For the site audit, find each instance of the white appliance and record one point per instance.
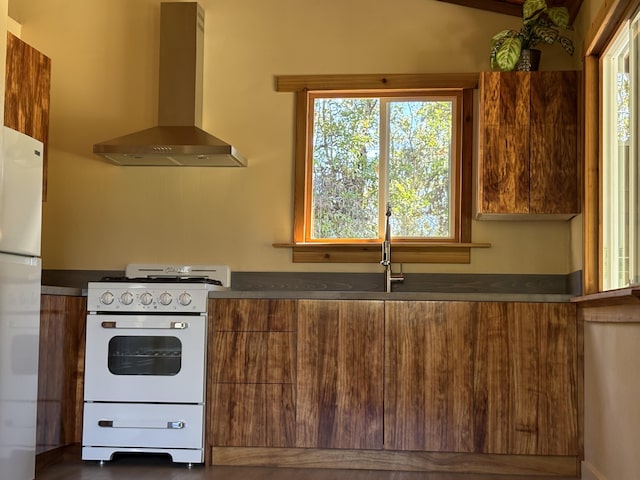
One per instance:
(20, 274)
(145, 363)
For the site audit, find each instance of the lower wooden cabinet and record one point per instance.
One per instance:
(526, 379)
(483, 377)
(254, 415)
(340, 390)
(251, 374)
(428, 376)
(60, 371)
(413, 376)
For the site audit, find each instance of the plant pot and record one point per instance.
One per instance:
(529, 60)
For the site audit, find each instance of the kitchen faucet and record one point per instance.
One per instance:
(389, 276)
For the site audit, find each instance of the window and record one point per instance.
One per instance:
(620, 176)
(367, 151)
(359, 148)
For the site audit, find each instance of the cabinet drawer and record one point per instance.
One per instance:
(254, 415)
(251, 315)
(142, 425)
(254, 357)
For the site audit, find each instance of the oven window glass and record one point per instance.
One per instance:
(145, 355)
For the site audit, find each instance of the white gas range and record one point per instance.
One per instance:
(145, 364)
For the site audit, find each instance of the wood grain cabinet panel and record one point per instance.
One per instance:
(422, 376)
(254, 357)
(60, 375)
(528, 162)
(525, 377)
(553, 145)
(27, 91)
(76, 337)
(483, 377)
(429, 376)
(339, 400)
(254, 415)
(252, 373)
(504, 172)
(51, 373)
(254, 315)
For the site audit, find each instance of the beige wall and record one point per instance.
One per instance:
(612, 416)
(104, 84)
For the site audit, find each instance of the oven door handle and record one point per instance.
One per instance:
(174, 425)
(146, 326)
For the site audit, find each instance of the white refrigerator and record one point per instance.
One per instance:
(20, 273)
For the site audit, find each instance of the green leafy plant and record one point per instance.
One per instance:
(539, 24)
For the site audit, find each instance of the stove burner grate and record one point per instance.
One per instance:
(161, 279)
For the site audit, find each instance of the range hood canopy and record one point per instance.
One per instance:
(178, 139)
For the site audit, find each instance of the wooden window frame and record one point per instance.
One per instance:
(608, 20)
(450, 251)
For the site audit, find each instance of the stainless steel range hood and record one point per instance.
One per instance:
(178, 140)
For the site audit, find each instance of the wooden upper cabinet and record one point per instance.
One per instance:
(340, 387)
(28, 81)
(26, 98)
(528, 161)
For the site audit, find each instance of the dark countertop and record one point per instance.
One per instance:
(356, 295)
(407, 296)
(63, 291)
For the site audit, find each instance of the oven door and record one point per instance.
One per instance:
(145, 358)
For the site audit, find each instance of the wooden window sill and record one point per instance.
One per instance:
(621, 296)
(370, 252)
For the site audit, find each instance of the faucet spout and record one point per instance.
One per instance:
(386, 244)
(389, 276)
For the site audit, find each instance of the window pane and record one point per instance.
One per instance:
(634, 151)
(345, 168)
(620, 162)
(420, 168)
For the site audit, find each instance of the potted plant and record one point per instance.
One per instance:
(539, 24)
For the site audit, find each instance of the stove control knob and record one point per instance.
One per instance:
(146, 298)
(106, 298)
(184, 299)
(165, 298)
(126, 298)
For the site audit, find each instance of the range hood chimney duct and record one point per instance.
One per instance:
(178, 140)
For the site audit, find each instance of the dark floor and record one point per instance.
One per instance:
(160, 468)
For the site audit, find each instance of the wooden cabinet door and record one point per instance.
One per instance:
(340, 388)
(28, 79)
(528, 143)
(526, 394)
(429, 376)
(51, 371)
(26, 97)
(252, 373)
(553, 155)
(504, 143)
(253, 415)
(60, 371)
